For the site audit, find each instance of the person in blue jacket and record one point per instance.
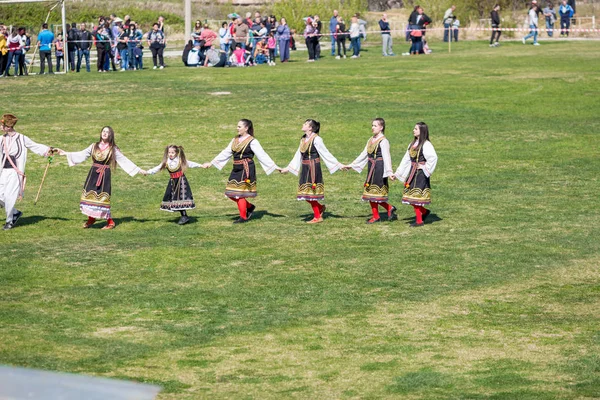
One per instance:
(45, 39)
(566, 13)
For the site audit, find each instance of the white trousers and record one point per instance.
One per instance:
(387, 45)
(9, 192)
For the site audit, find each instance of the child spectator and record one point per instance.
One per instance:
(416, 37)
(455, 26)
(59, 51)
(271, 45)
(238, 58)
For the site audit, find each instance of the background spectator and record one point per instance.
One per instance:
(156, 42)
(355, 37)
(341, 36)
(283, 36)
(83, 47)
(72, 38)
(550, 14)
(386, 36)
(496, 32)
(448, 20)
(333, 23)
(566, 13)
(45, 39)
(59, 51)
(224, 37)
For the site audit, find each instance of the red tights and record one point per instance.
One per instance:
(419, 211)
(316, 207)
(243, 206)
(375, 208)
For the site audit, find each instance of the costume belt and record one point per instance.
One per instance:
(311, 166)
(100, 169)
(244, 162)
(373, 162)
(175, 175)
(414, 167)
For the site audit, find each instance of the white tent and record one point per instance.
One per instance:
(64, 19)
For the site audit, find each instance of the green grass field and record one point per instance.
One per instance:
(497, 298)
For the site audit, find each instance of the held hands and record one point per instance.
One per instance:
(143, 172)
(346, 168)
(283, 170)
(393, 177)
(205, 165)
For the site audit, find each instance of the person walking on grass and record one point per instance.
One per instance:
(178, 195)
(97, 190)
(414, 171)
(496, 32)
(13, 157)
(242, 180)
(307, 164)
(376, 156)
(533, 24)
(386, 36)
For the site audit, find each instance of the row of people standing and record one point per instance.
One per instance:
(415, 169)
(13, 49)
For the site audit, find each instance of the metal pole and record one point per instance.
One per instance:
(64, 27)
(188, 20)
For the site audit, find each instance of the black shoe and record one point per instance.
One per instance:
(16, 217)
(8, 226)
(392, 216)
(426, 213)
(415, 225)
(240, 221)
(183, 220)
(249, 211)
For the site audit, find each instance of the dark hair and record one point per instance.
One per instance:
(423, 134)
(498, 5)
(44, 26)
(111, 141)
(155, 24)
(248, 124)
(180, 154)
(381, 122)
(315, 126)
(224, 24)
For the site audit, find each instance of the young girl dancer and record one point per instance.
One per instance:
(242, 180)
(95, 198)
(178, 196)
(376, 156)
(307, 162)
(415, 169)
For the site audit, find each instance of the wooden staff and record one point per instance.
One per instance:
(50, 158)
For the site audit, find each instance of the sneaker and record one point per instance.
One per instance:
(354, 57)
(162, 67)
(391, 54)
(523, 40)
(122, 69)
(392, 216)
(344, 56)
(337, 58)
(8, 226)
(183, 220)
(155, 67)
(536, 44)
(496, 44)
(491, 45)
(16, 217)
(249, 211)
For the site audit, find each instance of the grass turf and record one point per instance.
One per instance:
(497, 298)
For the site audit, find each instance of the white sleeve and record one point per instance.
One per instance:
(39, 149)
(361, 161)
(154, 170)
(191, 164)
(126, 164)
(404, 168)
(221, 159)
(296, 163)
(79, 156)
(267, 164)
(430, 159)
(387, 158)
(330, 161)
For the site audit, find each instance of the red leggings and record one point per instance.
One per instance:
(243, 206)
(316, 207)
(419, 211)
(375, 208)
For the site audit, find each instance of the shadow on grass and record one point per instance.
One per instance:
(34, 219)
(258, 215)
(431, 218)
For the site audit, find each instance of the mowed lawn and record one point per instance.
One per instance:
(497, 297)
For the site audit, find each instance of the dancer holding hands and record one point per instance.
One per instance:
(376, 156)
(96, 195)
(178, 195)
(414, 171)
(307, 163)
(242, 180)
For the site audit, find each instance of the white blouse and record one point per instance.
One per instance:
(127, 165)
(267, 164)
(361, 161)
(331, 162)
(17, 146)
(172, 164)
(430, 162)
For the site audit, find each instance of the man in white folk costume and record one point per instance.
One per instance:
(13, 149)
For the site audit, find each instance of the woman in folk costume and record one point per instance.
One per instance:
(242, 180)
(415, 169)
(307, 163)
(13, 149)
(96, 195)
(376, 156)
(178, 196)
